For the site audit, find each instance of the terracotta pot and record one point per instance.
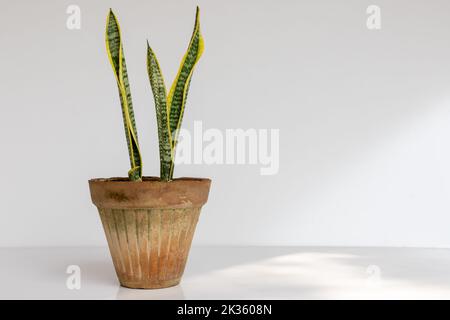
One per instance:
(149, 226)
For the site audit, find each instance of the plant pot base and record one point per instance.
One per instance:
(150, 284)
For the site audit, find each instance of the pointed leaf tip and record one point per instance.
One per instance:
(112, 14)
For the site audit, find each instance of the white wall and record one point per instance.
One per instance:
(364, 118)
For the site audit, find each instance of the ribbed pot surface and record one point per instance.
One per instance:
(149, 247)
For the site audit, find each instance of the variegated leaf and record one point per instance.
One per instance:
(178, 93)
(114, 48)
(159, 94)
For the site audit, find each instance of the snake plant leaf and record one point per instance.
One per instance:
(159, 94)
(114, 49)
(178, 93)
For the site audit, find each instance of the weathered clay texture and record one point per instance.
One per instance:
(149, 245)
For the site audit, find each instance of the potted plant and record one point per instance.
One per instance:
(149, 222)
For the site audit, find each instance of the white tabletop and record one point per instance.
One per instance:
(238, 273)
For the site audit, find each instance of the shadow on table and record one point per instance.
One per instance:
(207, 259)
(270, 272)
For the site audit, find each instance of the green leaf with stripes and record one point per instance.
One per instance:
(176, 100)
(114, 49)
(169, 111)
(159, 94)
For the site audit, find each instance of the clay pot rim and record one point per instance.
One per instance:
(146, 179)
(121, 193)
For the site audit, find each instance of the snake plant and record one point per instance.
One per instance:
(169, 107)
